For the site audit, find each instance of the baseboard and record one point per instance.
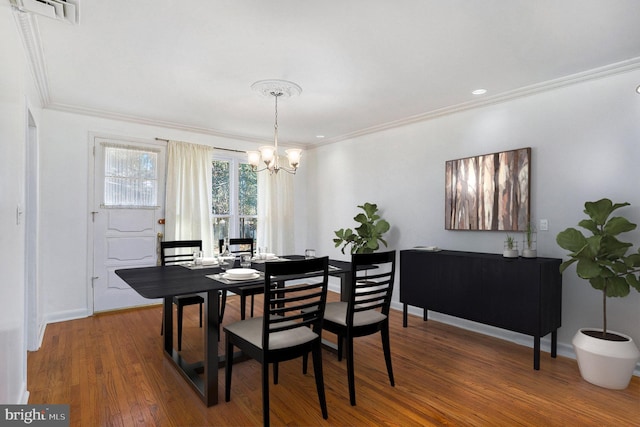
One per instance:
(63, 316)
(24, 399)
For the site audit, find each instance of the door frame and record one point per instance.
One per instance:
(91, 201)
(34, 326)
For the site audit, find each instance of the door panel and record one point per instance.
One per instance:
(124, 236)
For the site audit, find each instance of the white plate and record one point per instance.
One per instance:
(251, 277)
(243, 273)
(265, 256)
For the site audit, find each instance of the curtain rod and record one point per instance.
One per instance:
(216, 148)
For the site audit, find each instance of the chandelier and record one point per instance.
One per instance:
(268, 154)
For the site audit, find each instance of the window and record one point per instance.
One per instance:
(235, 199)
(130, 177)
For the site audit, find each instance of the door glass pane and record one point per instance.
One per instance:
(130, 177)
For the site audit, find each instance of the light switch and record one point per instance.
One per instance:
(544, 225)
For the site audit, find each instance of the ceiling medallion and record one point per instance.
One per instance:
(283, 88)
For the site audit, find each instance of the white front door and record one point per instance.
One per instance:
(128, 204)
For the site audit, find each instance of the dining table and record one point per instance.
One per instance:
(168, 281)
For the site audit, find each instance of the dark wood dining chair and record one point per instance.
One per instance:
(366, 311)
(239, 246)
(285, 332)
(177, 252)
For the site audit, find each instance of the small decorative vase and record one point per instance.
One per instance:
(510, 250)
(529, 246)
(605, 363)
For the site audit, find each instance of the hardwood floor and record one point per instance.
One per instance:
(111, 370)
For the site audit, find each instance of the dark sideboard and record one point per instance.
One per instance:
(518, 294)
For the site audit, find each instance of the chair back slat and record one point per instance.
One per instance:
(291, 287)
(178, 251)
(373, 277)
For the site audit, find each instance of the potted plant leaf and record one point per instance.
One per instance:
(368, 235)
(605, 358)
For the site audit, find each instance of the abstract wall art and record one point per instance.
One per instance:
(488, 192)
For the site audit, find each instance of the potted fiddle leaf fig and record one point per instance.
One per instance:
(605, 358)
(368, 235)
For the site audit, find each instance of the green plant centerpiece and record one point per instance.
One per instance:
(605, 358)
(367, 236)
(601, 258)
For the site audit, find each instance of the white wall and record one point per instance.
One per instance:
(16, 93)
(585, 142)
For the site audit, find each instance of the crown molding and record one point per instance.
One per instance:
(152, 122)
(596, 73)
(30, 34)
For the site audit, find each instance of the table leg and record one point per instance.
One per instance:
(167, 313)
(202, 376)
(212, 326)
(345, 286)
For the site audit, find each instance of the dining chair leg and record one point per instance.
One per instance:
(305, 361)
(275, 372)
(201, 315)
(340, 339)
(180, 310)
(317, 370)
(252, 299)
(227, 370)
(386, 347)
(351, 371)
(265, 394)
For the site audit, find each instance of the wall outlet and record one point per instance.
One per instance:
(544, 225)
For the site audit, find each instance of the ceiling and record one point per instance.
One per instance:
(363, 65)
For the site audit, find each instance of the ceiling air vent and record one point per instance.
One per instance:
(62, 10)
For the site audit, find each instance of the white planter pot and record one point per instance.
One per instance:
(529, 253)
(510, 253)
(608, 364)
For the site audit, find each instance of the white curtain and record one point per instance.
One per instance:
(188, 196)
(275, 212)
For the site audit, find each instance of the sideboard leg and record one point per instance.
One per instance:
(536, 353)
(554, 342)
(425, 316)
(404, 315)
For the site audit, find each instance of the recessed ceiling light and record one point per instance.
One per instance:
(638, 89)
(319, 136)
(479, 92)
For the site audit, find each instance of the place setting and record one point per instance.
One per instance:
(200, 261)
